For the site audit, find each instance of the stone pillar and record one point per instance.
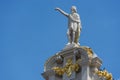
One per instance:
(96, 63)
(85, 71)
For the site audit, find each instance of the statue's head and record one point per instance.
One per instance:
(73, 9)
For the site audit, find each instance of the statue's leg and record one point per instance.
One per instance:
(69, 36)
(77, 35)
(74, 32)
(73, 37)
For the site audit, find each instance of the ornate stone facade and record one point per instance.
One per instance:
(77, 63)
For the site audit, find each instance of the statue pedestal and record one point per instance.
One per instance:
(70, 46)
(72, 63)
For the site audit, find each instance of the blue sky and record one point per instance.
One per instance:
(31, 31)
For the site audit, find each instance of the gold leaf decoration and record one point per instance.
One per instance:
(104, 74)
(89, 51)
(68, 68)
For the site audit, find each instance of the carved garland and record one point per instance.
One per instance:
(68, 68)
(104, 74)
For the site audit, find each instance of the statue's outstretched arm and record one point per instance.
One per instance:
(61, 11)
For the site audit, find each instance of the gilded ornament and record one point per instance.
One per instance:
(104, 74)
(68, 68)
(89, 51)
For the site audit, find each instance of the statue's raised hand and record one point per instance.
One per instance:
(57, 9)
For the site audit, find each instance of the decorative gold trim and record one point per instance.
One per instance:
(89, 51)
(68, 68)
(104, 74)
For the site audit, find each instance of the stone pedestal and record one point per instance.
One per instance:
(72, 63)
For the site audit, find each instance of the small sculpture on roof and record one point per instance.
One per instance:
(74, 25)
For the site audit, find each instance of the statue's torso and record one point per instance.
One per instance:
(73, 25)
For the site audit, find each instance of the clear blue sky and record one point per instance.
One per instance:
(31, 31)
